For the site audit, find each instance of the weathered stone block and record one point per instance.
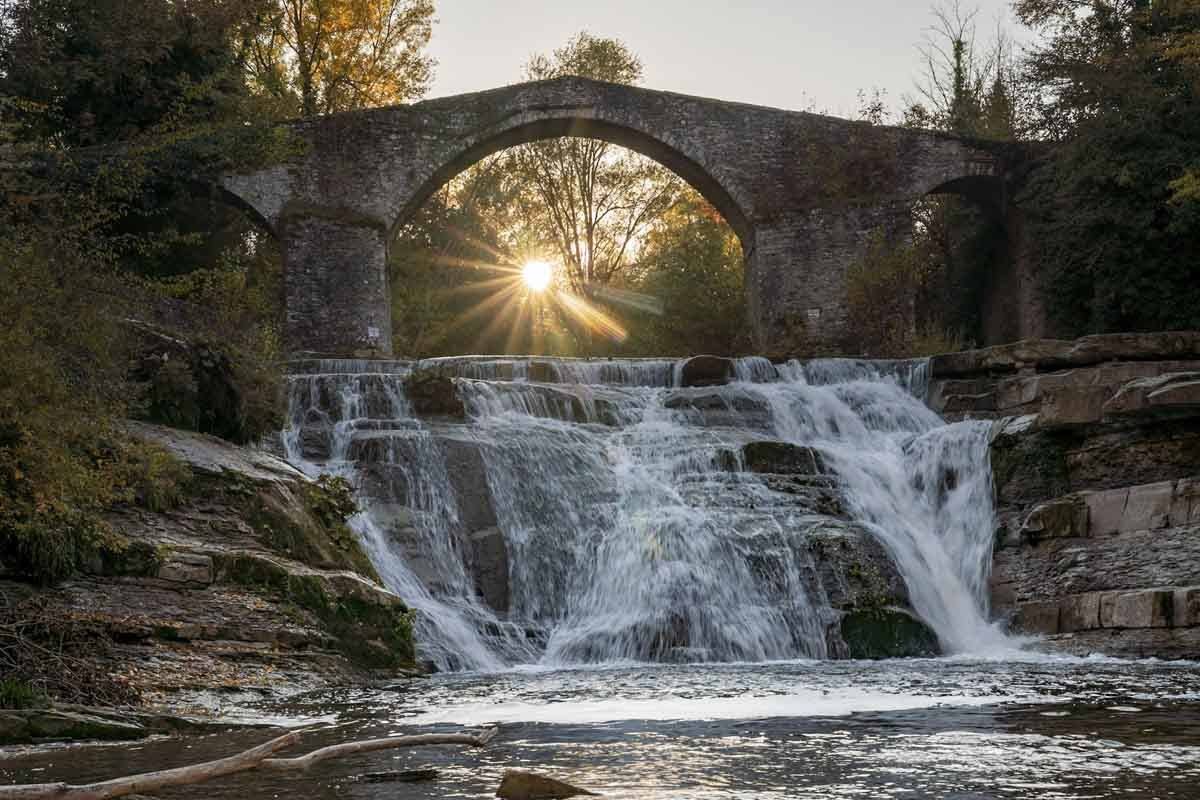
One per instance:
(706, 371)
(1148, 507)
(1080, 612)
(1186, 506)
(1073, 406)
(490, 563)
(433, 394)
(1173, 394)
(1029, 465)
(1106, 509)
(969, 404)
(468, 477)
(1040, 617)
(1064, 518)
(783, 458)
(187, 568)
(1150, 608)
(1185, 611)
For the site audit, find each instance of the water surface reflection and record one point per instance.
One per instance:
(1059, 729)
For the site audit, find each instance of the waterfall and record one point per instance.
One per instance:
(631, 527)
(371, 439)
(923, 488)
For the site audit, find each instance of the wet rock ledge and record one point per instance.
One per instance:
(251, 582)
(1096, 457)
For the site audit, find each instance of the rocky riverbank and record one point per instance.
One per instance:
(252, 582)
(1096, 457)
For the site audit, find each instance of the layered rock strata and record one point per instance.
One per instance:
(1096, 457)
(246, 584)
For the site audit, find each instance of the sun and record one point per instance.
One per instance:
(537, 275)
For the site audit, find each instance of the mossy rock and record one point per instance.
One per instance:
(783, 458)
(887, 633)
(370, 632)
(20, 727)
(299, 526)
(118, 556)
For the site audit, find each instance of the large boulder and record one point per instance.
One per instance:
(519, 784)
(707, 371)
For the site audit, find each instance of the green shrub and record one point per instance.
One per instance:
(54, 494)
(331, 500)
(48, 546)
(151, 477)
(201, 387)
(881, 297)
(18, 694)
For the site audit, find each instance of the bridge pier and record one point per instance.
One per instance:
(796, 275)
(336, 284)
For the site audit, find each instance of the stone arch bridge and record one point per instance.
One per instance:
(805, 193)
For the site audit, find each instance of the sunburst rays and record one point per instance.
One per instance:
(520, 297)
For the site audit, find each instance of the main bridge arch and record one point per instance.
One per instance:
(804, 192)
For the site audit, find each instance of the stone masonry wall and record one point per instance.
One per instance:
(802, 191)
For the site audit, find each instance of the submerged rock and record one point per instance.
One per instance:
(519, 784)
(887, 633)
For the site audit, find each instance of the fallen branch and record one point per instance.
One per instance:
(152, 781)
(253, 758)
(371, 745)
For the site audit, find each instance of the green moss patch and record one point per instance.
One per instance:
(887, 633)
(371, 634)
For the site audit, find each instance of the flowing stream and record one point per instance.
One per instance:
(664, 626)
(632, 529)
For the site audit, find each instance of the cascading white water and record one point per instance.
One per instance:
(632, 533)
(364, 409)
(923, 488)
(625, 542)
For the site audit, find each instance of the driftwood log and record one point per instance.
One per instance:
(254, 758)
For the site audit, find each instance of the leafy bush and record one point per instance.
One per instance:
(150, 477)
(881, 298)
(205, 388)
(331, 500)
(18, 694)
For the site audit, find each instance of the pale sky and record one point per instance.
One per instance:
(794, 54)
